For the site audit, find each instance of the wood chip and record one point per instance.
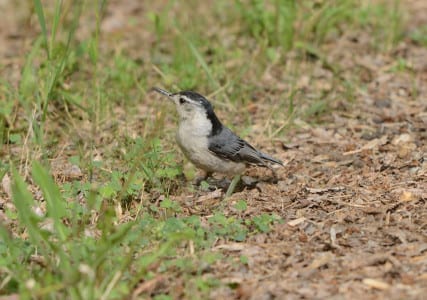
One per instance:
(213, 195)
(376, 284)
(333, 235)
(369, 146)
(407, 196)
(324, 190)
(296, 221)
(230, 247)
(147, 286)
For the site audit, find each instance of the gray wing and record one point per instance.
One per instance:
(231, 147)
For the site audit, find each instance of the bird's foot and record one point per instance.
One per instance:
(249, 182)
(209, 183)
(198, 181)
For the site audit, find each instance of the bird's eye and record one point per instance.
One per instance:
(182, 100)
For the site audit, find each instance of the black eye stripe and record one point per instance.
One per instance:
(182, 100)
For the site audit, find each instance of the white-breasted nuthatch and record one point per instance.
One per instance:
(207, 143)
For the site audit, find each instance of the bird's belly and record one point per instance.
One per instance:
(196, 150)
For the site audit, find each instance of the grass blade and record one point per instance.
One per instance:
(202, 62)
(24, 202)
(285, 17)
(55, 202)
(204, 65)
(40, 14)
(58, 7)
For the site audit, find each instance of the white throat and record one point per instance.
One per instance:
(194, 125)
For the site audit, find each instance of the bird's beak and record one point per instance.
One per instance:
(163, 92)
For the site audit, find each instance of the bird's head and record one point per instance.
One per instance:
(188, 104)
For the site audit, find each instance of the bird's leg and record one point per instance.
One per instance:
(274, 173)
(202, 178)
(232, 185)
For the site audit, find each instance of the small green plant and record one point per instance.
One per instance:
(170, 205)
(264, 221)
(241, 205)
(223, 226)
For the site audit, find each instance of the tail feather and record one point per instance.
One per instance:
(268, 158)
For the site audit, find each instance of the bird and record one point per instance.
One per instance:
(210, 145)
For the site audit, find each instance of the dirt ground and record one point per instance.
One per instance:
(353, 193)
(353, 197)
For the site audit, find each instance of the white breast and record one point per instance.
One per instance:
(192, 137)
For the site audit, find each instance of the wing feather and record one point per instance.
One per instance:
(229, 146)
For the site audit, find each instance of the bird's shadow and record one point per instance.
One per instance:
(210, 184)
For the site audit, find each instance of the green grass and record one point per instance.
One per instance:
(63, 253)
(102, 234)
